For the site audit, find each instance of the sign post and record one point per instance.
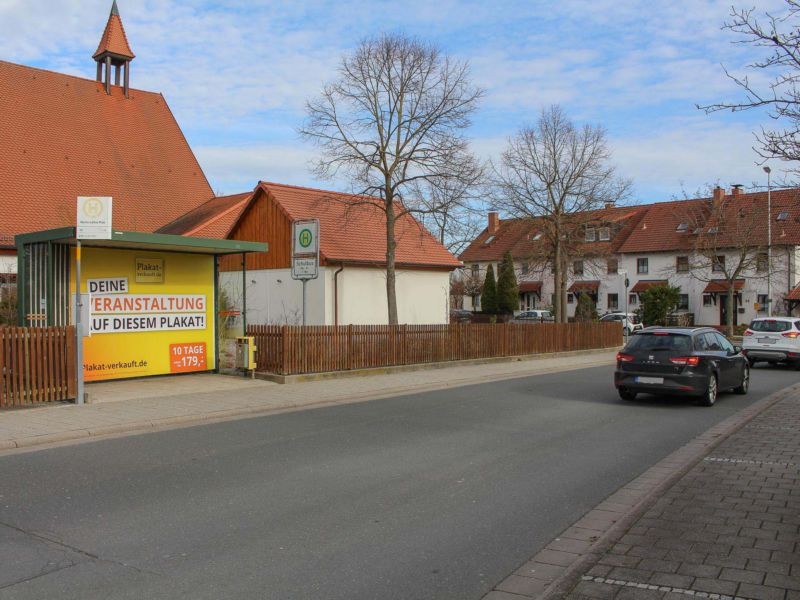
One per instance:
(305, 253)
(93, 222)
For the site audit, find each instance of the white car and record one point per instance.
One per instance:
(629, 321)
(773, 340)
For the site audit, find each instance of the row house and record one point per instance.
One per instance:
(695, 245)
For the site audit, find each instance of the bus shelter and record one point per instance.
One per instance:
(148, 302)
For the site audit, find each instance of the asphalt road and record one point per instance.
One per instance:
(435, 495)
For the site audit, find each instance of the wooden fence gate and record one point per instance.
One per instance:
(37, 364)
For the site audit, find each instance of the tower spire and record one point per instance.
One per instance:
(113, 51)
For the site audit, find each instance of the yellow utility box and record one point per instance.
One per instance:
(246, 353)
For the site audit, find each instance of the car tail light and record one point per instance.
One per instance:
(747, 332)
(688, 361)
(791, 334)
(622, 357)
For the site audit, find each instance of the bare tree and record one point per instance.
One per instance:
(557, 173)
(725, 239)
(779, 35)
(392, 121)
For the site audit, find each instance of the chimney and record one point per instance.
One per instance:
(736, 189)
(719, 195)
(610, 203)
(494, 223)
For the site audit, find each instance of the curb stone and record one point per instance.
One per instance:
(605, 527)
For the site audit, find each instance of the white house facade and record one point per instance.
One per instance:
(652, 246)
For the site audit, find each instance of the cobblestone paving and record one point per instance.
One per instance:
(730, 528)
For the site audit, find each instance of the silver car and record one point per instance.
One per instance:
(534, 316)
(628, 321)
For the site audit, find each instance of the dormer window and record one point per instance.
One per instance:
(591, 234)
(697, 231)
(782, 216)
(682, 227)
(712, 230)
(604, 234)
(488, 240)
(538, 236)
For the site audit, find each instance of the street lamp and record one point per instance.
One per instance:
(625, 284)
(767, 170)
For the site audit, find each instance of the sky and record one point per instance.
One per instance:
(237, 74)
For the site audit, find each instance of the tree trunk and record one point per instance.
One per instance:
(391, 244)
(731, 300)
(557, 305)
(563, 290)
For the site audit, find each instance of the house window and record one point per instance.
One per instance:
(552, 267)
(683, 302)
(537, 236)
(613, 301)
(719, 264)
(552, 299)
(612, 265)
(762, 262)
(476, 270)
(712, 230)
(642, 265)
(577, 267)
(604, 234)
(476, 302)
(782, 216)
(682, 264)
(682, 227)
(707, 300)
(570, 298)
(488, 240)
(633, 299)
(591, 234)
(761, 299)
(525, 268)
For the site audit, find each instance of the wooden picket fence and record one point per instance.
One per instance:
(37, 364)
(292, 350)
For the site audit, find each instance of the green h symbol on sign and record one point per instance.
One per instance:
(305, 238)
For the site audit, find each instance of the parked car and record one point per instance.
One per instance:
(693, 361)
(631, 321)
(459, 315)
(534, 316)
(773, 340)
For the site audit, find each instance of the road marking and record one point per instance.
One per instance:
(749, 462)
(662, 588)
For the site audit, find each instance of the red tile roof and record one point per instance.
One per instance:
(645, 284)
(794, 294)
(353, 228)
(720, 286)
(655, 227)
(212, 219)
(524, 238)
(530, 286)
(578, 287)
(63, 137)
(114, 40)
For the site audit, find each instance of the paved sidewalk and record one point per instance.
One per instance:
(727, 527)
(149, 404)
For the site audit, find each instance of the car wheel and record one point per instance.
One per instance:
(710, 395)
(742, 389)
(626, 394)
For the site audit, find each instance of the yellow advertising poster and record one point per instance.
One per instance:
(150, 313)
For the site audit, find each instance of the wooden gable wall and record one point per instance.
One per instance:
(263, 221)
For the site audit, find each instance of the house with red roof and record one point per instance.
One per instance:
(658, 243)
(351, 287)
(63, 136)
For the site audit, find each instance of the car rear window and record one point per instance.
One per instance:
(677, 342)
(771, 326)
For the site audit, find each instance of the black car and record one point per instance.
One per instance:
(691, 361)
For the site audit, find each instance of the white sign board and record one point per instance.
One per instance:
(94, 218)
(306, 237)
(304, 268)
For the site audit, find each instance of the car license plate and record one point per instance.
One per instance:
(654, 380)
(766, 340)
